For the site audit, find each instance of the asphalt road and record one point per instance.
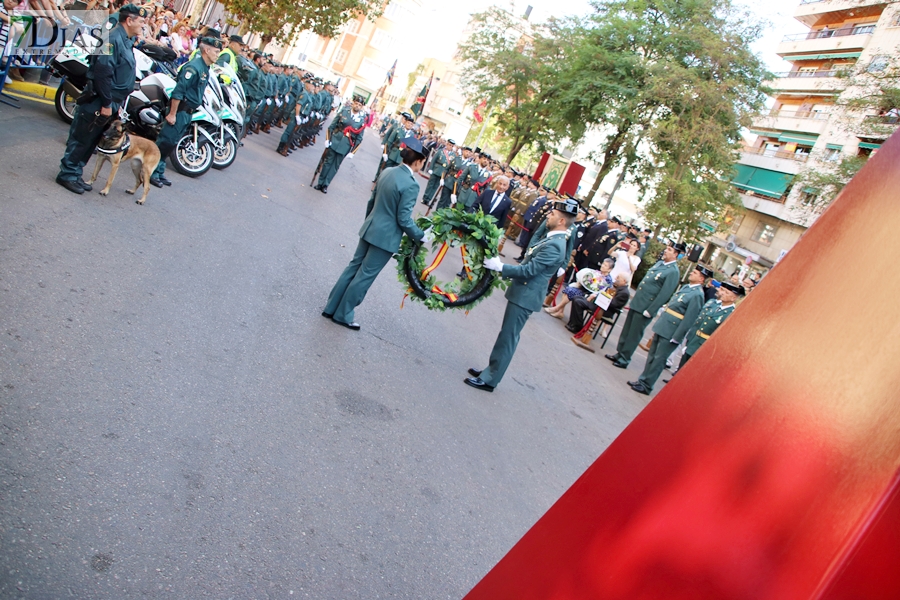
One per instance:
(179, 421)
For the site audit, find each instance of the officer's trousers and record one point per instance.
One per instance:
(632, 332)
(84, 134)
(431, 188)
(660, 350)
(168, 139)
(353, 284)
(507, 340)
(330, 166)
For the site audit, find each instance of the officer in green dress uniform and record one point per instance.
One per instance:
(654, 290)
(472, 181)
(457, 162)
(388, 217)
(390, 147)
(110, 80)
(436, 173)
(186, 97)
(524, 296)
(672, 327)
(342, 140)
(711, 317)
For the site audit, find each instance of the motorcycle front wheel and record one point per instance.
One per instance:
(65, 104)
(190, 159)
(226, 153)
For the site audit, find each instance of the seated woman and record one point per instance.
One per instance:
(587, 279)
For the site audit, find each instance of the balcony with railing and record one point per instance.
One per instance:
(806, 121)
(812, 11)
(770, 153)
(820, 81)
(845, 37)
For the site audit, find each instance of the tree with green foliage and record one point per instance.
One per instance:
(283, 20)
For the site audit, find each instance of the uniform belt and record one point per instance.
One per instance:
(674, 314)
(182, 107)
(705, 336)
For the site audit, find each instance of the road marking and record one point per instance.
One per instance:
(32, 98)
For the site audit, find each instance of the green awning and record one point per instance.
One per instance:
(762, 181)
(822, 56)
(834, 147)
(798, 138)
(869, 145)
(764, 133)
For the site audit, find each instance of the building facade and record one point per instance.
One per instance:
(808, 127)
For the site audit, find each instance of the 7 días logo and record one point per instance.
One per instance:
(34, 33)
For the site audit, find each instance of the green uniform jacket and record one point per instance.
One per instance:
(656, 287)
(439, 164)
(251, 84)
(306, 103)
(454, 165)
(687, 302)
(392, 143)
(472, 175)
(530, 279)
(340, 143)
(389, 212)
(192, 81)
(709, 319)
(116, 68)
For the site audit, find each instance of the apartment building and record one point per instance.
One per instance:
(806, 128)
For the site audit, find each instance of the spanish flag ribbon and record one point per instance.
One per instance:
(437, 260)
(449, 295)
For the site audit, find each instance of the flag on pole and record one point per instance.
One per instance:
(419, 104)
(477, 112)
(390, 74)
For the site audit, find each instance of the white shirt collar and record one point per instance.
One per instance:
(693, 285)
(558, 232)
(670, 262)
(408, 168)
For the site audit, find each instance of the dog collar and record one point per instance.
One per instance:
(123, 148)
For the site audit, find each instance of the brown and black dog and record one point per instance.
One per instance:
(144, 152)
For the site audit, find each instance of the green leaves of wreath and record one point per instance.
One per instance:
(477, 237)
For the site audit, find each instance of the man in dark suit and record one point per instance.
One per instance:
(591, 254)
(582, 307)
(495, 202)
(524, 296)
(388, 217)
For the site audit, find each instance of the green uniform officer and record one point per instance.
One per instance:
(654, 290)
(390, 147)
(472, 181)
(711, 317)
(672, 327)
(525, 295)
(457, 162)
(343, 138)
(302, 110)
(110, 80)
(186, 97)
(388, 217)
(436, 173)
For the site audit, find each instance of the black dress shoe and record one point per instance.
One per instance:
(572, 329)
(317, 187)
(164, 181)
(478, 384)
(72, 186)
(621, 365)
(85, 186)
(634, 383)
(353, 326)
(156, 182)
(641, 389)
(612, 357)
(475, 372)
(666, 380)
(324, 189)
(327, 315)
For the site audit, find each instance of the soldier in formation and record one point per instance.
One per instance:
(342, 140)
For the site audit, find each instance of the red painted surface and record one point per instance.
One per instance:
(768, 468)
(571, 179)
(545, 158)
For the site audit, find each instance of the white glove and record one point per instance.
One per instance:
(327, 143)
(278, 102)
(452, 199)
(299, 120)
(306, 119)
(676, 342)
(648, 315)
(384, 156)
(430, 172)
(287, 98)
(349, 155)
(561, 272)
(442, 182)
(428, 237)
(494, 264)
(268, 102)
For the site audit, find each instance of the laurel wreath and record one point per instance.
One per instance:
(477, 237)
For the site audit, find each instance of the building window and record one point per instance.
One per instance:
(340, 57)
(833, 153)
(397, 12)
(808, 197)
(352, 27)
(763, 234)
(371, 70)
(738, 219)
(382, 40)
(877, 64)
